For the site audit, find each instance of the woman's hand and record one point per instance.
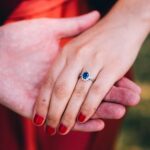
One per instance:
(106, 51)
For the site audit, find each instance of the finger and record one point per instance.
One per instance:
(90, 126)
(77, 98)
(109, 110)
(42, 102)
(123, 96)
(73, 26)
(61, 94)
(98, 90)
(126, 83)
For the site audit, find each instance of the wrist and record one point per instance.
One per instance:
(136, 10)
(122, 19)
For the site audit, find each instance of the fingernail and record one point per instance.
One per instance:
(81, 117)
(50, 130)
(62, 129)
(38, 120)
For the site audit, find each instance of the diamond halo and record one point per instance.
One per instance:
(85, 76)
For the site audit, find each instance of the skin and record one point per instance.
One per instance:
(112, 45)
(27, 57)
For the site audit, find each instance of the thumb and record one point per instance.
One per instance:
(73, 26)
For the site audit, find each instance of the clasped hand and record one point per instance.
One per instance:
(35, 74)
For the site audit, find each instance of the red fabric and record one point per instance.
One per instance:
(18, 133)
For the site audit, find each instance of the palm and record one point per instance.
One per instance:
(25, 65)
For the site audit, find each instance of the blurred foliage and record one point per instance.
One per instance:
(135, 132)
(142, 64)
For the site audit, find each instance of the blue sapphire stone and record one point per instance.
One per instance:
(85, 75)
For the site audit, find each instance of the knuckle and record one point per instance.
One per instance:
(69, 119)
(52, 120)
(81, 50)
(95, 59)
(60, 90)
(96, 89)
(49, 82)
(97, 55)
(78, 51)
(88, 110)
(119, 113)
(79, 91)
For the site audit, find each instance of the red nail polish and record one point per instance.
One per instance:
(81, 117)
(62, 128)
(50, 130)
(38, 120)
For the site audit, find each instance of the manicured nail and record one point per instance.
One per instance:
(81, 117)
(50, 130)
(38, 120)
(62, 129)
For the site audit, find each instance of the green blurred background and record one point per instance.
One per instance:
(135, 132)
